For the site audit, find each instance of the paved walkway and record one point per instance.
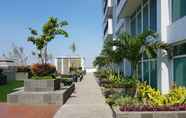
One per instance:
(86, 102)
(25, 111)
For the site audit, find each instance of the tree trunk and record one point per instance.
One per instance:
(45, 54)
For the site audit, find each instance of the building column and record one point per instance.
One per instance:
(163, 63)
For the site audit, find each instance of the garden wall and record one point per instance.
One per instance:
(161, 114)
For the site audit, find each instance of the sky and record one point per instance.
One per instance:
(84, 18)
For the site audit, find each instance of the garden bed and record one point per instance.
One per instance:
(42, 85)
(8, 88)
(149, 114)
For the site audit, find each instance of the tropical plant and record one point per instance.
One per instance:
(50, 30)
(119, 99)
(73, 47)
(177, 96)
(133, 48)
(149, 95)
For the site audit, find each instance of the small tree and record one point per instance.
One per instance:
(50, 30)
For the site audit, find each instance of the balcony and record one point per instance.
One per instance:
(127, 7)
(176, 31)
(107, 9)
(108, 30)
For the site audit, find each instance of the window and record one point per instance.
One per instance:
(180, 71)
(146, 71)
(178, 9)
(147, 21)
(149, 72)
(145, 18)
(133, 27)
(153, 15)
(179, 50)
(139, 23)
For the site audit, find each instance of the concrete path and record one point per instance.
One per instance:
(86, 102)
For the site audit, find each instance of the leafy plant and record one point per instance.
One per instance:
(43, 69)
(52, 28)
(177, 96)
(43, 77)
(149, 95)
(119, 99)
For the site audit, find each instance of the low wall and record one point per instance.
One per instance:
(58, 97)
(160, 114)
(21, 76)
(41, 85)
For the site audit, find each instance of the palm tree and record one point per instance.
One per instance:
(52, 28)
(133, 48)
(73, 47)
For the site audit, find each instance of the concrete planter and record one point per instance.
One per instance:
(21, 75)
(171, 114)
(58, 97)
(41, 85)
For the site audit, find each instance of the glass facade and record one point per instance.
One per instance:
(178, 9)
(139, 23)
(149, 72)
(180, 71)
(145, 17)
(180, 64)
(133, 27)
(153, 16)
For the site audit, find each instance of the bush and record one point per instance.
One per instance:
(67, 81)
(149, 95)
(177, 96)
(23, 69)
(43, 77)
(119, 99)
(43, 69)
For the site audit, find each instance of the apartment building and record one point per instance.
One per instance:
(168, 19)
(63, 64)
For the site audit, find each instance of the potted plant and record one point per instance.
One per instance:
(44, 78)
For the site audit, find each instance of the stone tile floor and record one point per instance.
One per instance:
(22, 111)
(86, 102)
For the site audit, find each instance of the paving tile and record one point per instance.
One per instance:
(86, 102)
(22, 111)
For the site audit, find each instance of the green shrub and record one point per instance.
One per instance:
(67, 81)
(122, 100)
(119, 81)
(43, 77)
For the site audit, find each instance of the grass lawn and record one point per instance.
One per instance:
(8, 88)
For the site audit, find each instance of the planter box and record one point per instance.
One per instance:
(21, 75)
(58, 97)
(41, 85)
(161, 114)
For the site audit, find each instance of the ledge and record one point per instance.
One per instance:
(158, 114)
